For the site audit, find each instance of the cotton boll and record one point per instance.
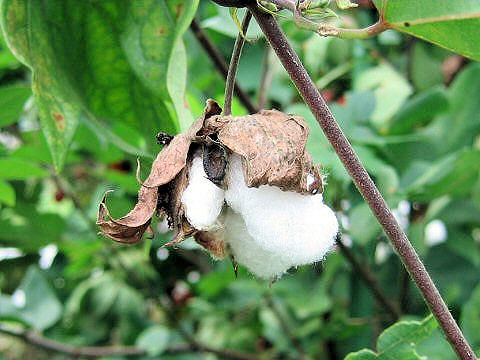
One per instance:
(247, 251)
(299, 229)
(202, 199)
(435, 233)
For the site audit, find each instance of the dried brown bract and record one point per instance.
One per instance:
(272, 147)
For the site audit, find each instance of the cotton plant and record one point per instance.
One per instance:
(243, 187)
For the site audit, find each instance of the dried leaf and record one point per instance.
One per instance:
(168, 164)
(272, 145)
(119, 232)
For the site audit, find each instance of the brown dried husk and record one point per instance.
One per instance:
(271, 144)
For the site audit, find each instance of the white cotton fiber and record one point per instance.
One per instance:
(202, 199)
(246, 250)
(295, 229)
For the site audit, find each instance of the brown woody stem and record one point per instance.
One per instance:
(114, 351)
(232, 69)
(362, 180)
(87, 351)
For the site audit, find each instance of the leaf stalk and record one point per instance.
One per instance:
(232, 69)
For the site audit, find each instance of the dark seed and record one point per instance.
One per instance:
(215, 163)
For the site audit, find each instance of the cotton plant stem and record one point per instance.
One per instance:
(220, 64)
(369, 278)
(232, 69)
(42, 342)
(362, 180)
(55, 346)
(325, 29)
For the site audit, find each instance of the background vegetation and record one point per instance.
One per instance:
(106, 80)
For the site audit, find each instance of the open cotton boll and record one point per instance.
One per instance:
(261, 262)
(299, 229)
(202, 199)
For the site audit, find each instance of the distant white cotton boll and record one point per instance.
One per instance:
(300, 229)
(247, 251)
(382, 252)
(202, 199)
(435, 233)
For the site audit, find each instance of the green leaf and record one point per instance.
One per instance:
(28, 229)
(102, 61)
(450, 24)
(470, 319)
(426, 69)
(12, 99)
(463, 125)
(154, 340)
(7, 60)
(390, 88)
(17, 169)
(364, 227)
(398, 342)
(419, 110)
(455, 175)
(362, 355)
(223, 23)
(41, 309)
(7, 194)
(8, 311)
(345, 4)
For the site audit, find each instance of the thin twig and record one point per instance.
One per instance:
(220, 63)
(86, 351)
(363, 182)
(369, 278)
(234, 60)
(265, 80)
(35, 339)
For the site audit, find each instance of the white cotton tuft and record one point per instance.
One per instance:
(248, 252)
(202, 199)
(295, 229)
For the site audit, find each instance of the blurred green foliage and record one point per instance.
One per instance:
(410, 109)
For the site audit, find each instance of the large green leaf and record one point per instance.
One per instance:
(454, 175)
(451, 24)
(12, 99)
(18, 169)
(28, 229)
(40, 307)
(7, 194)
(102, 61)
(470, 320)
(419, 110)
(154, 340)
(399, 341)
